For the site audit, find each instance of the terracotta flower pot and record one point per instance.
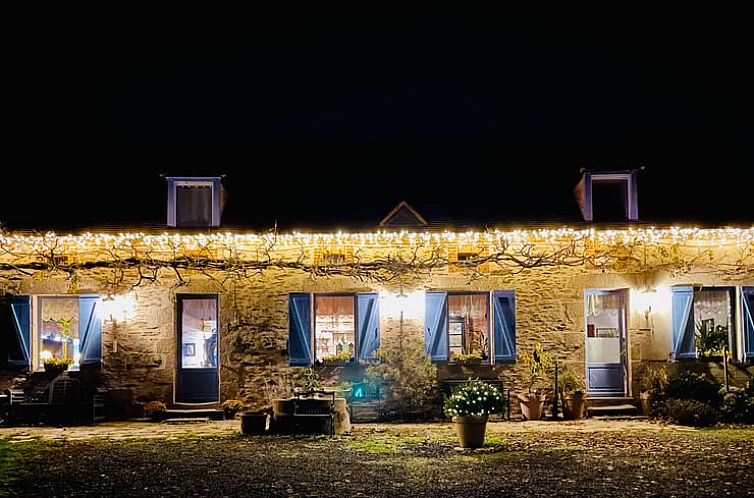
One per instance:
(647, 399)
(532, 405)
(575, 405)
(471, 430)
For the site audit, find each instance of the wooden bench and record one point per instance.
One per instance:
(446, 387)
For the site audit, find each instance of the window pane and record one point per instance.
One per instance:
(199, 333)
(193, 206)
(334, 327)
(59, 329)
(468, 324)
(712, 318)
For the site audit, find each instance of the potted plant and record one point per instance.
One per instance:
(155, 410)
(254, 423)
(572, 389)
(466, 358)
(710, 339)
(231, 407)
(538, 363)
(55, 366)
(652, 381)
(470, 405)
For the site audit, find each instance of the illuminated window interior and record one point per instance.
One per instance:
(712, 319)
(334, 327)
(468, 324)
(59, 329)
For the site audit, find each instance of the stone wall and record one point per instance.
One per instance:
(139, 352)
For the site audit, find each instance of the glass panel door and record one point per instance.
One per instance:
(605, 342)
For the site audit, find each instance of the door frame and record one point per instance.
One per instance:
(179, 343)
(623, 335)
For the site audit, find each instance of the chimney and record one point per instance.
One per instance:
(608, 196)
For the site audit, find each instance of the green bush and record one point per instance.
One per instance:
(689, 412)
(693, 386)
(407, 379)
(737, 405)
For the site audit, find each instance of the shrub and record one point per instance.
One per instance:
(407, 379)
(737, 405)
(689, 412)
(232, 405)
(693, 386)
(653, 379)
(154, 409)
(473, 398)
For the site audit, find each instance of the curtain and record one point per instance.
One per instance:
(714, 304)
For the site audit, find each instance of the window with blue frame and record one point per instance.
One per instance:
(703, 321)
(61, 327)
(333, 328)
(457, 326)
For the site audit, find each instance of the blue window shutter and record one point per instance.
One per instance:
(683, 322)
(505, 326)
(21, 317)
(90, 331)
(436, 325)
(368, 320)
(299, 328)
(747, 305)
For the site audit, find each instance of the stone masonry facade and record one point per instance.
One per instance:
(253, 279)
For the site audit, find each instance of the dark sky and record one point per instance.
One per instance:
(322, 124)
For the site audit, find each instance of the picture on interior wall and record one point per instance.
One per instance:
(189, 349)
(607, 332)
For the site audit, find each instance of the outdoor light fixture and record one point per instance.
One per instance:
(116, 308)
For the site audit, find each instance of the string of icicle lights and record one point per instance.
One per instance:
(700, 236)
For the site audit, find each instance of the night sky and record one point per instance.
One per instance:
(330, 124)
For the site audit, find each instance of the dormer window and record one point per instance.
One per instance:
(608, 196)
(194, 202)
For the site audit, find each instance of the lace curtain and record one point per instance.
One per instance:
(713, 304)
(596, 305)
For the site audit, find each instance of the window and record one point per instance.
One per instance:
(702, 321)
(68, 327)
(608, 196)
(338, 327)
(458, 323)
(62, 327)
(194, 202)
(334, 327)
(468, 325)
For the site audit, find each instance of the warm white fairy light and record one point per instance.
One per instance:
(14, 244)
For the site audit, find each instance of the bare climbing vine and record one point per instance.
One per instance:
(136, 261)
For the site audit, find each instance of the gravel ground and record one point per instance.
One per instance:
(390, 461)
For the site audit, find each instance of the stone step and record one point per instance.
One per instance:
(617, 410)
(208, 413)
(620, 417)
(610, 400)
(186, 420)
